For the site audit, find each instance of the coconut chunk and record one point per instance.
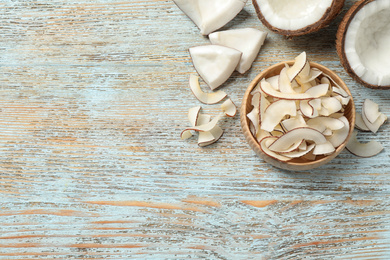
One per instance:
(369, 149)
(363, 43)
(209, 15)
(206, 98)
(214, 63)
(246, 40)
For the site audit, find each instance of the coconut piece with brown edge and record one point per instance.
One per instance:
(210, 15)
(214, 63)
(246, 40)
(297, 17)
(362, 43)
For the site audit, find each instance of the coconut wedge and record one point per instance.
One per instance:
(206, 98)
(297, 17)
(246, 40)
(369, 149)
(210, 15)
(214, 63)
(363, 43)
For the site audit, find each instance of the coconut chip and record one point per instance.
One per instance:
(206, 98)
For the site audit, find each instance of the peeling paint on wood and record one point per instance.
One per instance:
(94, 97)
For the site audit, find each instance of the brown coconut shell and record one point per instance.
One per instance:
(340, 43)
(325, 20)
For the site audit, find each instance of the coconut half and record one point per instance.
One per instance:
(297, 17)
(363, 40)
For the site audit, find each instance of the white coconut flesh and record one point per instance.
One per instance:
(246, 40)
(367, 43)
(293, 14)
(210, 15)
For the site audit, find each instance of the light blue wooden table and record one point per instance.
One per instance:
(94, 96)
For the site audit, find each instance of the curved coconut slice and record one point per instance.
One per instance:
(331, 104)
(246, 40)
(229, 108)
(374, 127)
(313, 92)
(264, 103)
(193, 115)
(214, 63)
(297, 17)
(253, 116)
(292, 148)
(363, 42)
(339, 136)
(314, 73)
(293, 122)
(307, 109)
(370, 110)
(359, 123)
(321, 123)
(206, 98)
(285, 82)
(297, 154)
(297, 135)
(325, 148)
(265, 143)
(210, 137)
(299, 64)
(275, 113)
(274, 81)
(369, 149)
(256, 100)
(209, 15)
(186, 133)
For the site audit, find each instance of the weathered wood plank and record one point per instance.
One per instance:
(94, 97)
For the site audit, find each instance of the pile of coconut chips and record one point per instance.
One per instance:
(299, 113)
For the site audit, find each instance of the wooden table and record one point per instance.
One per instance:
(94, 96)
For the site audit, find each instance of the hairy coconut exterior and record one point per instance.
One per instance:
(326, 19)
(340, 43)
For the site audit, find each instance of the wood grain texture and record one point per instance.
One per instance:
(94, 97)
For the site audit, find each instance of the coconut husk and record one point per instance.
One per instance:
(325, 20)
(340, 43)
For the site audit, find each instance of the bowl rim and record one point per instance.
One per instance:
(251, 139)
